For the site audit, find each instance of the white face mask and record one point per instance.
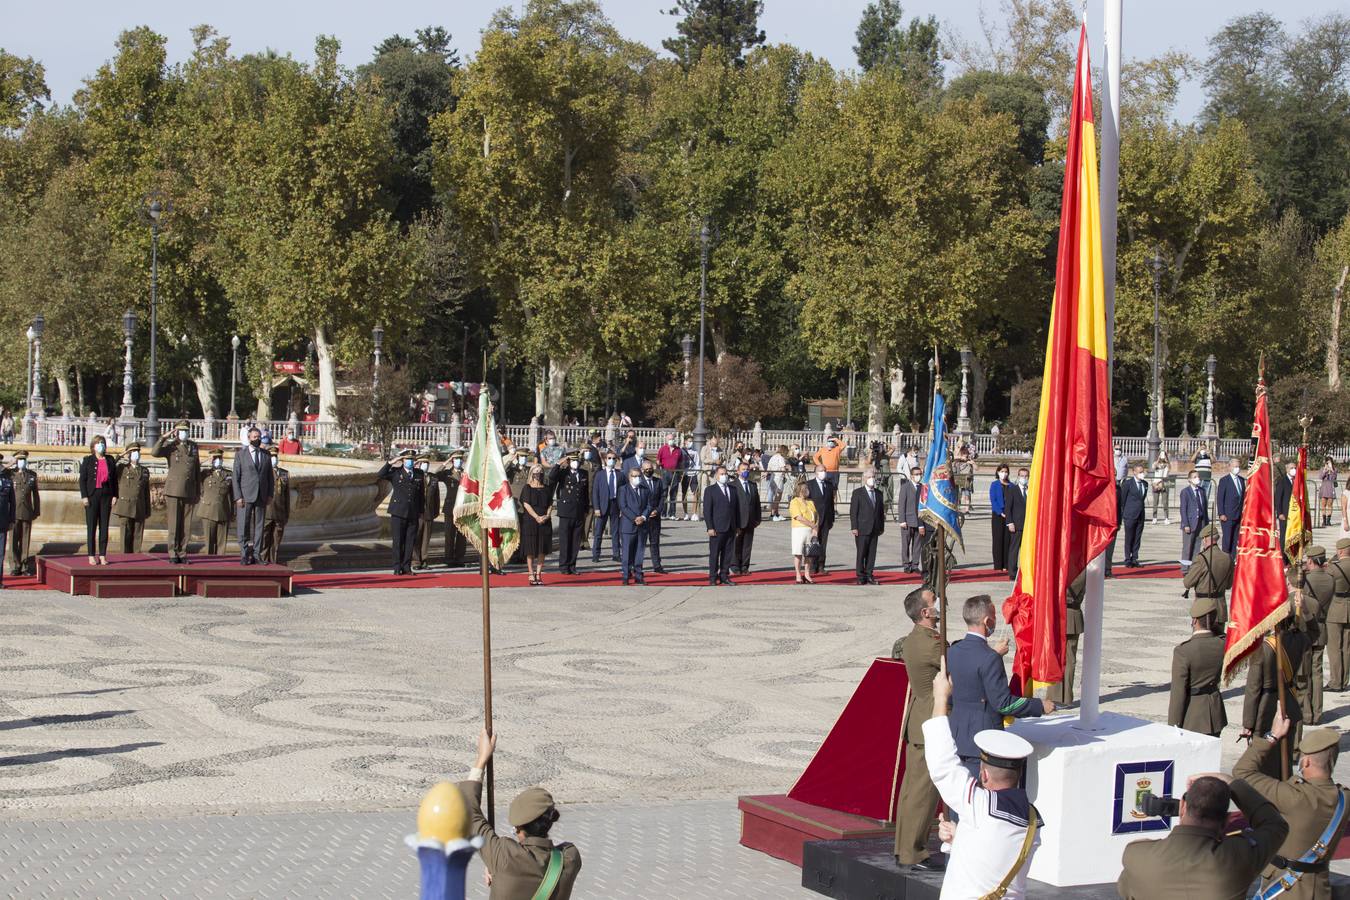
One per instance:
(1021, 482)
(586, 455)
(721, 479)
(136, 456)
(1237, 471)
(634, 480)
(609, 464)
(458, 463)
(215, 463)
(551, 442)
(870, 481)
(22, 464)
(424, 466)
(574, 465)
(1002, 476)
(670, 443)
(1195, 482)
(182, 435)
(98, 448)
(641, 451)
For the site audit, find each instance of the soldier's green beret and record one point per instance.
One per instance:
(1209, 531)
(1203, 606)
(1316, 740)
(1343, 544)
(530, 805)
(1317, 552)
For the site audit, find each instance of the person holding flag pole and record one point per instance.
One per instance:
(938, 502)
(485, 513)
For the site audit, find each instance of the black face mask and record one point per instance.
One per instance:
(255, 442)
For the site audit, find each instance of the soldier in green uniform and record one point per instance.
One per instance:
(132, 506)
(1211, 575)
(216, 506)
(1319, 590)
(1196, 704)
(1062, 693)
(1307, 801)
(431, 508)
(450, 475)
(27, 507)
(921, 651)
(1260, 700)
(1338, 617)
(518, 470)
(180, 487)
(277, 512)
(522, 868)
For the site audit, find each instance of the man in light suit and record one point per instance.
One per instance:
(911, 528)
(605, 502)
(252, 486)
(634, 505)
(1232, 491)
(720, 514)
(1194, 516)
(867, 520)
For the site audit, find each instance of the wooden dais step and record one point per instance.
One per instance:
(238, 587)
(134, 587)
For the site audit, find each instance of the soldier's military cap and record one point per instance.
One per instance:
(528, 806)
(407, 454)
(218, 453)
(182, 423)
(1317, 552)
(1203, 606)
(572, 454)
(1315, 740)
(1002, 749)
(1343, 544)
(1209, 531)
(424, 456)
(134, 445)
(21, 454)
(457, 454)
(274, 450)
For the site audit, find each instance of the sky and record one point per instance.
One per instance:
(73, 37)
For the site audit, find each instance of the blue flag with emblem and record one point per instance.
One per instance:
(937, 494)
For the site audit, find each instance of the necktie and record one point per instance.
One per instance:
(726, 493)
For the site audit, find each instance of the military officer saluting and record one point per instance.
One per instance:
(1062, 693)
(1319, 590)
(27, 507)
(999, 828)
(431, 508)
(921, 651)
(1211, 575)
(1338, 616)
(277, 512)
(1197, 662)
(1276, 659)
(181, 489)
(132, 504)
(573, 499)
(450, 475)
(405, 507)
(216, 506)
(1315, 807)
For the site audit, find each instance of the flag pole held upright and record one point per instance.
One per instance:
(489, 776)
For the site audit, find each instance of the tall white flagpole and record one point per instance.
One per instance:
(1089, 709)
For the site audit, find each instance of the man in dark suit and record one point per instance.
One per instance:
(406, 485)
(1232, 491)
(1133, 495)
(1015, 514)
(1284, 493)
(820, 491)
(980, 695)
(573, 499)
(656, 493)
(605, 502)
(867, 516)
(1194, 516)
(252, 484)
(911, 527)
(720, 515)
(634, 504)
(748, 516)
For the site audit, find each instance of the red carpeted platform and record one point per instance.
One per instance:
(778, 825)
(146, 575)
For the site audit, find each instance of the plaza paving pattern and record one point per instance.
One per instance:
(278, 748)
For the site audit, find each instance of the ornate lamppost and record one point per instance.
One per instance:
(128, 400)
(963, 412)
(1210, 429)
(377, 335)
(701, 430)
(687, 347)
(1154, 426)
(155, 211)
(1186, 400)
(234, 373)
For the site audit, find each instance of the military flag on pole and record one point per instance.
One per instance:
(1071, 495)
(1258, 599)
(485, 511)
(1298, 526)
(937, 494)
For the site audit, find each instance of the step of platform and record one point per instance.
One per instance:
(778, 825)
(126, 587)
(238, 588)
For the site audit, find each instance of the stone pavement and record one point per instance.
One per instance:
(282, 746)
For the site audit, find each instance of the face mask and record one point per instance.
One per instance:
(716, 453)
(573, 465)
(98, 448)
(253, 442)
(870, 481)
(721, 479)
(23, 464)
(521, 459)
(640, 452)
(1002, 476)
(215, 463)
(1022, 482)
(1195, 482)
(136, 456)
(609, 464)
(689, 445)
(424, 466)
(587, 455)
(670, 443)
(458, 463)
(408, 464)
(551, 442)
(634, 481)
(1237, 471)
(182, 435)
(745, 476)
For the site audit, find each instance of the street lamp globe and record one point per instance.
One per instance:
(378, 334)
(38, 324)
(31, 334)
(1210, 365)
(687, 345)
(234, 342)
(156, 209)
(129, 324)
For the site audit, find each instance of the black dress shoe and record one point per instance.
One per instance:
(871, 579)
(640, 580)
(931, 864)
(713, 582)
(728, 582)
(659, 571)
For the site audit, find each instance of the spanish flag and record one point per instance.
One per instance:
(1071, 498)
(1298, 526)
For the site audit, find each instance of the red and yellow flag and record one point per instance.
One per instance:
(1259, 593)
(1298, 527)
(1071, 498)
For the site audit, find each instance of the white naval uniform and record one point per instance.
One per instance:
(992, 824)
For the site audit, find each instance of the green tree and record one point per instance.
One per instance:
(914, 50)
(23, 87)
(730, 26)
(735, 396)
